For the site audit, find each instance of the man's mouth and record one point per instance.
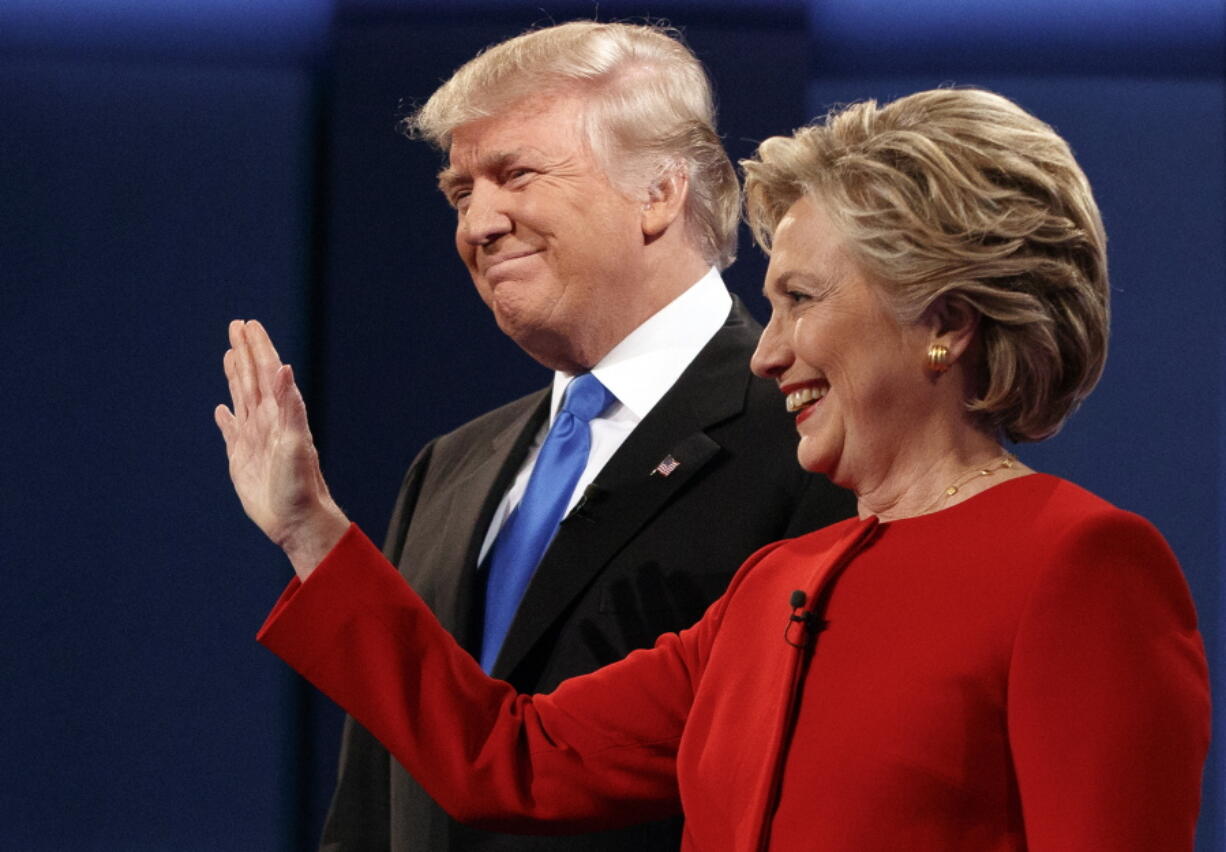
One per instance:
(499, 259)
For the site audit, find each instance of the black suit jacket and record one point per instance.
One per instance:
(642, 554)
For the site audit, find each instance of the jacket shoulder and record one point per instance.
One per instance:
(457, 446)
(493, 421)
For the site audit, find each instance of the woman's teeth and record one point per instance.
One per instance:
(798, 399)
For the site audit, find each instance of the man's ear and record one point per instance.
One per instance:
(953, 322)
(665, 201)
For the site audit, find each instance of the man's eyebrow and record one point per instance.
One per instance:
(449, 179)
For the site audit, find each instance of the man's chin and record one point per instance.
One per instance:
(547, 347)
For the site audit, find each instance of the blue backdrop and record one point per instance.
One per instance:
(166, 166)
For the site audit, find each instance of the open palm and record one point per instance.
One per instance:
(273, 462)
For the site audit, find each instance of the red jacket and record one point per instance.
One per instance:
(1021, 671)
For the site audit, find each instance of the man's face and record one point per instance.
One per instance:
(553, 248)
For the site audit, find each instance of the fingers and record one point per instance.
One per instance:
(293, 412)
(237, 400)
(244, 386)
(226, 423)
(264, 358)
(251, 367)
(254, 372)
(290, 401)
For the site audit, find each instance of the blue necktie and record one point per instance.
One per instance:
(530, 527)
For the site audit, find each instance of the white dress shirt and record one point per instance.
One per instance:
(638, 372)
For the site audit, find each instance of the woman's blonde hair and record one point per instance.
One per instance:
(962, 193)
(649, 112)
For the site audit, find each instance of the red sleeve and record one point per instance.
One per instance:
(1108, 702)
(598, 752)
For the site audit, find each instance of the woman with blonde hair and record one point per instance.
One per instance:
(987, 658)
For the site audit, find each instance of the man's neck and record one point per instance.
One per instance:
(666, 278)
(645, 364)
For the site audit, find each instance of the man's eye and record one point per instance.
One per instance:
(797, 296)
(459, 199)
(517, 174)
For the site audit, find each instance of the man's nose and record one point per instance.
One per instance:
(773, 355)
(484, 218)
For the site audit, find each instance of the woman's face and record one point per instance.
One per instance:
(854, 376)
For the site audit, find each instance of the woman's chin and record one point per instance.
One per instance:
(811, 461)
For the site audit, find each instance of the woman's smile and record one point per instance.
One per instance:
(801, 400)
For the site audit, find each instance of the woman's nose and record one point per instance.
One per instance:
(773, 355)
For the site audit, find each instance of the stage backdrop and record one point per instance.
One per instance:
(166, 166)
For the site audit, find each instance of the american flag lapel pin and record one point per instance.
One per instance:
(665, 467)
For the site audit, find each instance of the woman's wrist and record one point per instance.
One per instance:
(313, 539)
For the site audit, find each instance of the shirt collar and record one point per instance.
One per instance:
(649, 360)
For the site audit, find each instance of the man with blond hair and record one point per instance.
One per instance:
(594, 207)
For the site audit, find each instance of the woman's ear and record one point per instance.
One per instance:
(665, 201)
(954, 322)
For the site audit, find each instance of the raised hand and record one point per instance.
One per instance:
(273, 462)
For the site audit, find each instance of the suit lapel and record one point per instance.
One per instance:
(629, 492)
(448, 536)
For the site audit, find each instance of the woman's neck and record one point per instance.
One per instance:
(923, 477)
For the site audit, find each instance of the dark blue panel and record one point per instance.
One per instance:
(703, 12)
(211, 30)
(142, 209)
(1176, 37)
(1147, 439)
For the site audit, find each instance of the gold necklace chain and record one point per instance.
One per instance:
(1004, 462)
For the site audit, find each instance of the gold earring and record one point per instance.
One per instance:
(938, 358)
